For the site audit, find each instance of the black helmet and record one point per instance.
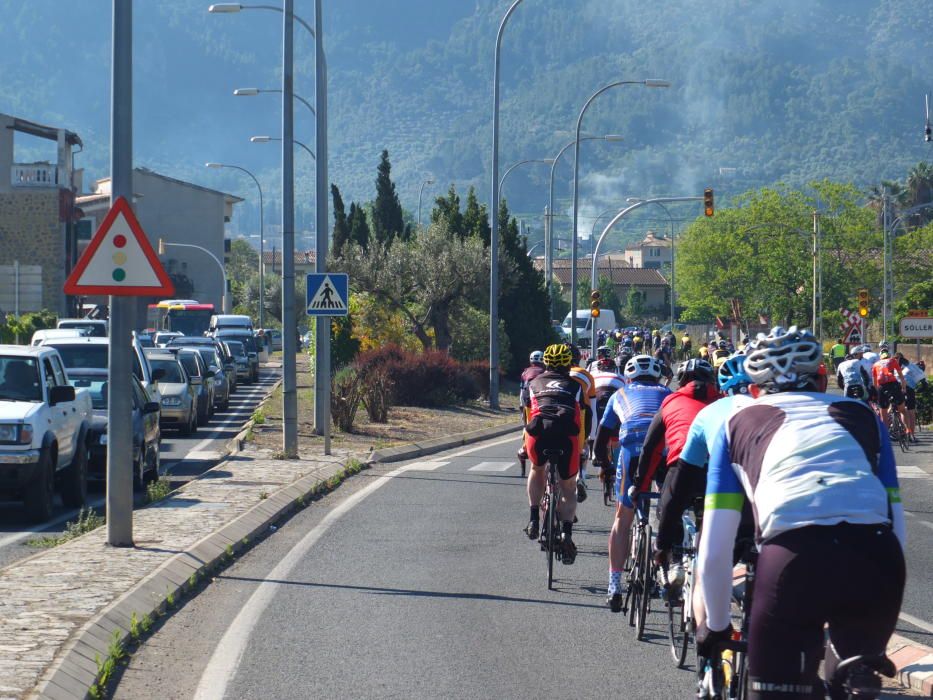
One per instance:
(694, 370)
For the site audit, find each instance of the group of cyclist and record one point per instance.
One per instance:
(751, 434)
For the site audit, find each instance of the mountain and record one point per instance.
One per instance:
(789, 91)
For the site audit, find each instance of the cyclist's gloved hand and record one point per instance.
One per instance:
(632, 494)
(708, 640)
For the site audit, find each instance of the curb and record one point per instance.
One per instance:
(235, 444)
(403, 452)
(914, 662)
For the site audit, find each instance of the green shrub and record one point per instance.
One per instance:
(345, 397)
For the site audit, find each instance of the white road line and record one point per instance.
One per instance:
(15, 537)
(226, 658)
(492, 467)
(426, 466)
(916, 622)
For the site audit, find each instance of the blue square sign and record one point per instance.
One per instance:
(327, 294)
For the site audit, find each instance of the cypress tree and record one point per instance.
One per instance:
(341, 226)
(448, 207)
(388, 221)
(359, 227)
(476, 218)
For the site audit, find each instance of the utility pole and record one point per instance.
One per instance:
(122, 309)
(322, 376)
(289, 324)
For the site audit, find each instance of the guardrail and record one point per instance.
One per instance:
(34, 175)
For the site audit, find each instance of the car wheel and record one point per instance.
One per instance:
(74, 478)
(40, 494)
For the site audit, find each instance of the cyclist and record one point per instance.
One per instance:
(637, 342)
(535, 367)
(588, 424)
(838, 353)
(686, 346)
(556, 401)
(913, 377)
(891, 385)
(626, 353)
(819, 473)
(851, 376)
(607, 380)
(626, 418)
(655, 339)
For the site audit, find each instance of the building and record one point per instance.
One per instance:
(648, 283)
(304, 262)
(37, 220)
(188, 218)
(653, 253)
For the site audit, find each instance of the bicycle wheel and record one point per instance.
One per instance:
(645, 576)
(553, 523)
(633, 594)
(899, 430)
(677, 626)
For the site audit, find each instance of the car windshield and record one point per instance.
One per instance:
(209, 355)
(83, 356)
(236, 348)
(179, 341)
(191, 364)
(170, 367)
(96, 330)
(20, 379)
(96, 386)
(248, 341)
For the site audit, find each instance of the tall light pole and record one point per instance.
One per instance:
(669, 216)
(250, 92)
(268, 139)
(549, 221)
(420, 194)
(262, 283)
(545, 161)
(225, 299)
(494, 224)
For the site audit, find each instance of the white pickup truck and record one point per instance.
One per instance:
(44, 424)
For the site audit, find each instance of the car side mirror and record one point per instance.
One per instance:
(157, 375)
(61, 394)
(151, 407)
(211, 373)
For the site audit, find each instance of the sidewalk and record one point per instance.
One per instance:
(60, 609)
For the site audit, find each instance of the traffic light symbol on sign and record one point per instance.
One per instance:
(708, 205)
(863, 302)
(595, 298)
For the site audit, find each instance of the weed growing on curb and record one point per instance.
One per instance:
(170, 599)
(229, 551)
(263, 495)
(193, 580)
(245, 541)
(88, 519)
(157, 490)
(259, 416)
(279, 454)
(301, 501)
(105, 668)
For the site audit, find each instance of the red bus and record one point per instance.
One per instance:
(183, 315)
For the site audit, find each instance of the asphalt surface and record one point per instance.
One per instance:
(183, 458)
(425, 589)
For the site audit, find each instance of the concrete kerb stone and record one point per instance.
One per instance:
(235, 444)
(398, 454)
(914, 662)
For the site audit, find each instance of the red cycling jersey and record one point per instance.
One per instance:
(883, 371)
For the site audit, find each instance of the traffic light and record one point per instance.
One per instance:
(595, 299)
(863, 302)
(708, 207)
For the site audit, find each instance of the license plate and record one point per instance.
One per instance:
(103, 439)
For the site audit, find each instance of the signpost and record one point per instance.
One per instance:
(326, 294)
(917, 327)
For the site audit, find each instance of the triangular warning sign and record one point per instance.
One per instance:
(119, 260)
(327, 298)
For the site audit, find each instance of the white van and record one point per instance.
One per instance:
(230, 322)
(605, 322)
(55, 333)
(94, 327)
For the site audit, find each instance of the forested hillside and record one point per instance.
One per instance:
(797, 90)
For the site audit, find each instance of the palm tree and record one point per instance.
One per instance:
(920, 191)
(897, 198)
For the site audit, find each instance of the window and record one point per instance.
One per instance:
(49, 374)
(59, 372)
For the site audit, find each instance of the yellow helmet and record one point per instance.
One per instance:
(557, 356)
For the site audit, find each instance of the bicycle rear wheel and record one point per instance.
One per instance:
(553, 532)
(677, 626)
(646, 583)
(633, 594)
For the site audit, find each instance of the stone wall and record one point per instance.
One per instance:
(30, 231)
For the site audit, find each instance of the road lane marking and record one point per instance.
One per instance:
(225, 660)
(916, 622)
(911, 472)
(426, 466)
(492, 467)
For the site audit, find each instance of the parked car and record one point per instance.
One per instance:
(274, 336)
(96, 328)
(44, 423)
(201, 378)
(249, 344)
(144, 339)
(230, 321)
(179, 402)
(55, 334)
(147, 434)
(241, 359)
(202, 342)
(221, 378)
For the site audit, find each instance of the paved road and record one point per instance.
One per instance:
(425, 589)
(182, 459)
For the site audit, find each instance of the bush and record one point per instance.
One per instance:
(423, 379)
(377, 393)
(479, 370)
(346, 394)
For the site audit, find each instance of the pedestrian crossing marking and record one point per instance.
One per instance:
(426, 466)
(492, 467)
(911, 472)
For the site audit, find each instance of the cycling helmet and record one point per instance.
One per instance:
(604, 352)
(557, 356)
(642, 367)
(537, 357)
(574, 353)
(694, 370)
(625, 354)
(627, 341)
(732, 378)
(723, 345)
(884, 354)
(784, 359)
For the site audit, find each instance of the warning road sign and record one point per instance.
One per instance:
(853, 336)
(327, 294)
(119, 260)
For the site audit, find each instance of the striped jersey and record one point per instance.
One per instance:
(632, 408)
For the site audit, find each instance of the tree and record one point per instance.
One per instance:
(634, 305)
(341, 225)
(920, 191)
(388, 220)
(359, 227)
(448, 208)
(476, 218)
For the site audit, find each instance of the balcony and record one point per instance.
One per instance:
(34, 175)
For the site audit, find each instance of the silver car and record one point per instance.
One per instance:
(223, 382)
(179, 401)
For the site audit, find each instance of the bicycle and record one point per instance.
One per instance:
(679, 600)
(858, 675)
(642, 571)
(737, 680)
(716, 671)
(897, 429)
(550, 535)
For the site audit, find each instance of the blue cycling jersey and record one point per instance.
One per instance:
(632, 408)
(706, 425)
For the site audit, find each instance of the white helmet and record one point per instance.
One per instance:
(536, 357)
(642, 366)
(785, 359)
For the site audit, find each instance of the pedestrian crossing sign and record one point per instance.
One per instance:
(327, 294)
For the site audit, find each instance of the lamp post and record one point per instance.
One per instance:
(669, 216)
(545, 161)
(262, 284)
(267, 139)
(420, 194)
(494, 223)
(223, 273)
(549, 221)
(651, 82)
(250, 92)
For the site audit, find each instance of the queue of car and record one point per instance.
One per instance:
(178, 383)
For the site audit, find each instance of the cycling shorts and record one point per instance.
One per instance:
(857, 391)
(798, 591)
(890, 394)
(911, 400)
(625, 465)
(569, 463)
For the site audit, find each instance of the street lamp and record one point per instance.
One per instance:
(545, 161)
(262, 286)
(250, 92)
(667, 211)
(420, 193)
(494, 223)
(651, 83)
(224, 299)
(267, 139)
(548, 231)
